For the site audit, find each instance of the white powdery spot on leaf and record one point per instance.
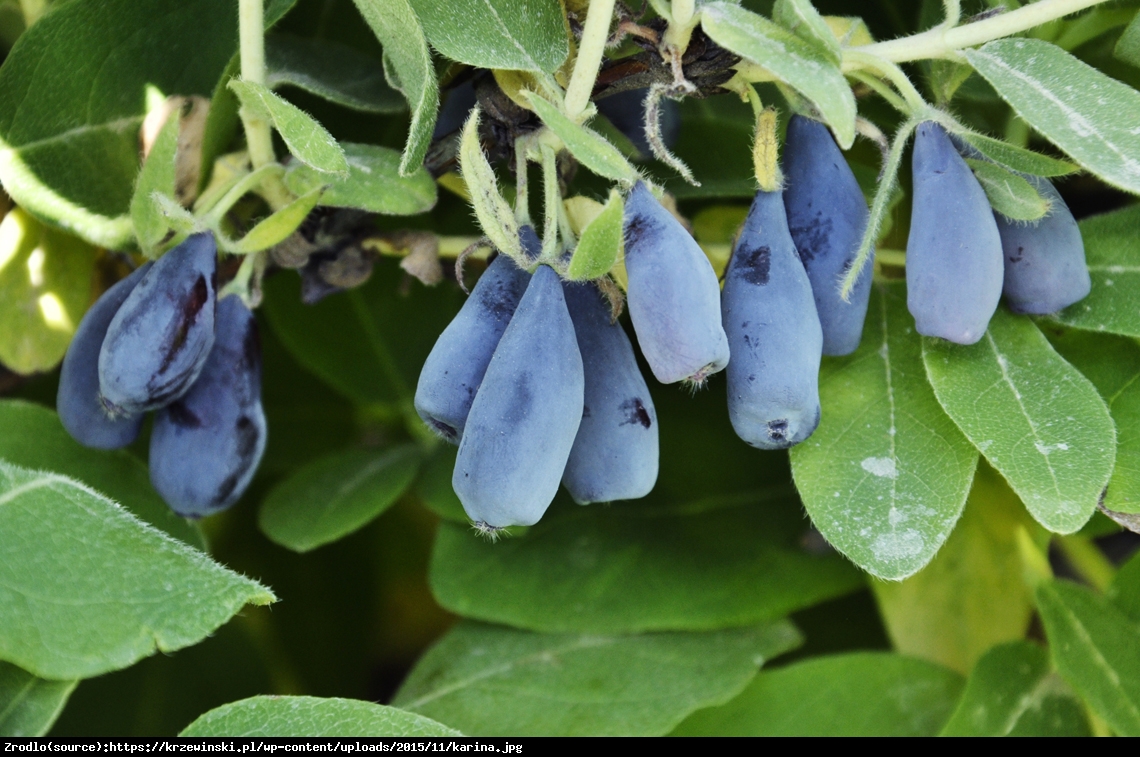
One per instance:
(1047, 449)
(897, 547)
(883, 467)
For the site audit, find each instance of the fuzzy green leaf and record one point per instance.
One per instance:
(490, 680)
(1128, 46)
(29, 705)
(1037, 420)
(335, 72)
(277, 227)
(601, 243)
(1081, 110)
(307, 140)
(1018, 158)
(494, 214)
(524, 35)
(157, 175)
(102, 589)
(590, 148)
(886, 474)
(312, 717)
(796, 63)
(801, 18)
(1009, 194)
(374, 183)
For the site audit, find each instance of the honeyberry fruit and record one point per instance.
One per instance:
(77, 400)
(525, 415)
(673, 294)
(1045, 268)
(954, 254)
(206, 446)
(827, 215)
(454, 369)
(159, 340)
(773, 331)
(615, 452)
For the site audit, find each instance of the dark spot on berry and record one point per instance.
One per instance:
(635, 413)
(778, 430)
(447, 432)
(182, 416)
(753, 263)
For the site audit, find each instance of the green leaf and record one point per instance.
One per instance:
(1012, 691)
(32, 437)
(337, 494)
(359, 342)
(275, 228)
(644, 566)
(157, 175)
(1114, 264)
(102, 589)
(307, 140)
(1128, 46)
(601, 243)
(790, 59)
(408, 68)
(374, 183)
(1018, 158)
(488, 680)
(338, 73)
(1088, 115)
(1124, 592)
(886, 474)
(29, 705)
(495, 216)
(434, 486)
(525, 35)
(858, 694)
(45, 287)
(590, 148)
(1036, 419)
(1009, 194)
(1112, 363)
(972, 595)
(1097, 648)
(312, 717)
(801, 18)
(73, 94)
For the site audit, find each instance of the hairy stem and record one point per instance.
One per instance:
(258, 137)
(862, 60)
(552, 198)
(594, 36)
(522, 196)
(943, 42)
(953, 12)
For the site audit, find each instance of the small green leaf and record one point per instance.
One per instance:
(434, 485)
(858, 694)
(307, 140)
(972, 595)
(524, 35)
(1097, 648)
(337, 494)
(338, 73)
(1114, 264)
(489, 680)
(1009, 194)
(1112, 363)
(1128, 46)
(408, 68)
(31, 436)
(1018, 158)
(1037, 420)
(374, 183)
(102, 589)
(601, 243)
(29, 705)
(886, 474)
(494, 214)
(312, 717)
(790, 59)
(1012, 691)
(801, 18)
(590, 148)
(1081, 110)
(277, 227)
(157, 175)
(729, 561)
(45, 287)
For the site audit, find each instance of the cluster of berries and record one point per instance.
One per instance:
(160, 340)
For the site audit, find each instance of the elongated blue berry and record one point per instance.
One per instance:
(160, 338)
(205, 447)
(77, 400)
(674, 298)
(826, 215)
(526, 414)
(454, 369)
(774, 332)
(1045, 268)
(953, 255)
(615, 452)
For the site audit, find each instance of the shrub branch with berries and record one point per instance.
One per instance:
(368, 269)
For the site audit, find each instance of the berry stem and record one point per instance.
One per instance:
(552, 199)
(593, 45)
(258, 137)
(891, 72)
